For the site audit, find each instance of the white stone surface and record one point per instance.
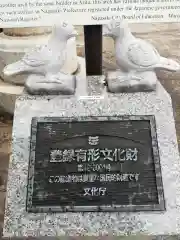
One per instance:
(20, 223)
(52, 84)
(119, 82)
(12, 49)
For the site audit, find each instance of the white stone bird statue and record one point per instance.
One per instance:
(45, 59)
(134, 54)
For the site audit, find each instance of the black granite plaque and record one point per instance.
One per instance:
(94, 164)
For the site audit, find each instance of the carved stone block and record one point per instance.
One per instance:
(119, 82)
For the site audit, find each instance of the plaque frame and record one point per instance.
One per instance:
(161, 206)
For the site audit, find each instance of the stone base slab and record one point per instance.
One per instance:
(121, 82)
(19, 223)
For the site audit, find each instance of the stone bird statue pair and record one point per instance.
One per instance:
(45, 62)
(137, 60)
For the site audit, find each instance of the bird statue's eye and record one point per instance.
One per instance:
(64, 24)
(118, 24)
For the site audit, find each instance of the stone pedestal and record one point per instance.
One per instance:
(18, 222)
(14, 42)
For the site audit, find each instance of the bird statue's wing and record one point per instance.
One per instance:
(142, 54)
(38, 56)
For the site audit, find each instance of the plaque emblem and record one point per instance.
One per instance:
(93, 140)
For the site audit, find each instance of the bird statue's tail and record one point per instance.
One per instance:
(168, 64)
(16, 68)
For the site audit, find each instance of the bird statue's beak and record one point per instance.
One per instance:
(105, 31)
(74, 34)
